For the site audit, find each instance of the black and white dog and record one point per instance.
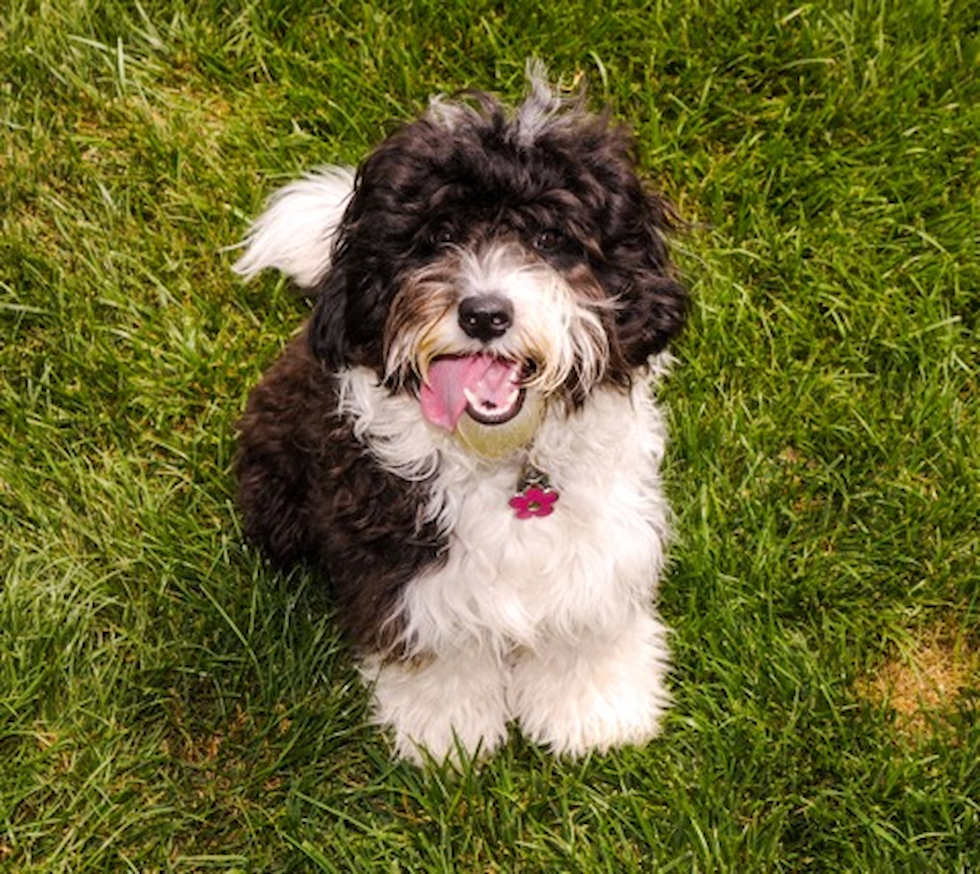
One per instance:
(462, 438)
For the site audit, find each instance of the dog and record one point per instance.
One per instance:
(461, 439)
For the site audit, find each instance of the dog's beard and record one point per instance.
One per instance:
(557, 342)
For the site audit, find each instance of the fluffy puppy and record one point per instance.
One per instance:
(462, 440)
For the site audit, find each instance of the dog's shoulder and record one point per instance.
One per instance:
(309, 491)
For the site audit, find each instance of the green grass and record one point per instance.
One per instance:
(169, 704)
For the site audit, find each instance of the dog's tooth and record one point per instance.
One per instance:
(473, 400)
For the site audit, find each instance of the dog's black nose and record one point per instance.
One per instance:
(486, 316)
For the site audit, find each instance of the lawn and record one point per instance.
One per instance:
(169, 703)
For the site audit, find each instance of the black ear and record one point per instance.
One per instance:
(652, 303)
(328, 325)
(347, 326)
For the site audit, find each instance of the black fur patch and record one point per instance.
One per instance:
(309, 492)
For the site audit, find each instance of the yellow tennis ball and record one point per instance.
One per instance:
(496, 441)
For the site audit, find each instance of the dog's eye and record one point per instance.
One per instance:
(548, 240)
(444, 235)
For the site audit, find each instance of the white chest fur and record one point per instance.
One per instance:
(510, 582)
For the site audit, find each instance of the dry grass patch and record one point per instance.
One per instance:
(924, 683)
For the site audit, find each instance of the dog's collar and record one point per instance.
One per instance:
(534, 496)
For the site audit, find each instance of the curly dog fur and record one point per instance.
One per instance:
(493, 292)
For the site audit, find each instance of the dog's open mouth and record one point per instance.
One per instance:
(485, 388)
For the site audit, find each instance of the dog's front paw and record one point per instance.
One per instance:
(600, 692)
(441, 707)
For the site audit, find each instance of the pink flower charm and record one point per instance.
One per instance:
(534, 501)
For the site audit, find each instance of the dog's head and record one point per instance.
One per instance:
(484, 254)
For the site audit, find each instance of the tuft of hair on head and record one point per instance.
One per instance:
(543, 103)
(542, 107)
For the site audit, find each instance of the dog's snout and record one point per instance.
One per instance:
(486, 317)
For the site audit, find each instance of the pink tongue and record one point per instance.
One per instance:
(443, 400)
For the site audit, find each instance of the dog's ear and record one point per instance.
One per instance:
(347, 325)
(328, 325)
(652, 303)
(352, 297)
(628, 245)
(303, 232)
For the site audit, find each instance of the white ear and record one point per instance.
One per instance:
(295, 233)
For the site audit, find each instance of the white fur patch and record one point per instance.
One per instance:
(595, 692)
(542, 105)
(552, 618)
(295, 233)
(552, 325)
(459, 700)
(513, 582)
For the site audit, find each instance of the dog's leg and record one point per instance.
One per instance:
(441, 703)
(601, 690)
